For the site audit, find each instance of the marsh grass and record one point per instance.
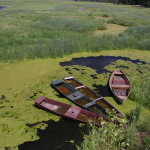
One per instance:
(46, 39)
(80, 25)
(134, 37)
(141, 90)
(53, 37)
(40, 30)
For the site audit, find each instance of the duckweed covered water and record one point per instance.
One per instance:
(22, 83)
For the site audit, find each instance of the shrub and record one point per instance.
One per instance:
(134, 114)
(146, 143)
(143, 124)
(131, 135)
(107, 137)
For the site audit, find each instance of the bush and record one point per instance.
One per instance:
(143, 124)
(146, 143)
(134, 114)
(131, 135)
(109, 137)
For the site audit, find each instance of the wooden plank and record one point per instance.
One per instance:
(120, 86)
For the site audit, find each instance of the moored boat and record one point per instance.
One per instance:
(84, 96)
(76, 96)
(119, 85)
(72, 112)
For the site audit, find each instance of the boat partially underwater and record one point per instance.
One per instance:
(119, 85)
(84, 97)
(72, 112)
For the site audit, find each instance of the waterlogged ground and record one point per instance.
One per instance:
(22, 83)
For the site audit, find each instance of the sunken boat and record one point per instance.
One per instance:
(119, 85)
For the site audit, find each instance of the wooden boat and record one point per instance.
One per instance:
(84, 96)
(119, 85)
(76, 96)
(72, 112)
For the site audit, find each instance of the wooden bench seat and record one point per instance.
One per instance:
(117, 86)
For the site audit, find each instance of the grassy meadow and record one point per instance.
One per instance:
(36, 35)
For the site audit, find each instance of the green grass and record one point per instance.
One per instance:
(18, 44)
(32, 28)
(141, 90)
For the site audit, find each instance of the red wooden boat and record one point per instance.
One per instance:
(72, 112)
(119, 85)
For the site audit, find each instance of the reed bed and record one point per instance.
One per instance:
(141, 90)
(57, 28)
(46, 39)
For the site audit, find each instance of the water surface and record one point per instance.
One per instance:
(99, 62)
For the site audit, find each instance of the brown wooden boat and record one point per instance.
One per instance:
(77, 97)
(119, 85)
(94, 96)
(72, 112)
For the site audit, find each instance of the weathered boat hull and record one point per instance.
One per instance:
(119, 85)
(77, 97)
(72, 112)
(86, 98)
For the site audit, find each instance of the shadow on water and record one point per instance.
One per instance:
(99, 62)
(103, 90)
(62, 135)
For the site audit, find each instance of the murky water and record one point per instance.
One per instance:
(98, 63)
(57, 136)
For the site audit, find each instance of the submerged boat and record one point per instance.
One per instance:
(72, 112)
(119, 85)
(83, 96)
